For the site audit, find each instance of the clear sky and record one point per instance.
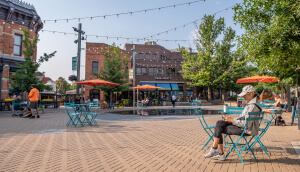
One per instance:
(138, 25)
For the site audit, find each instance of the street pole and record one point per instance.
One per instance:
(133, 81)
(78, 53)
(78, 57)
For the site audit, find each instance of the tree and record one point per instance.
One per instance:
(62, 85)
(200, 68)
(114, 70)
(272, 35)
(28, 73)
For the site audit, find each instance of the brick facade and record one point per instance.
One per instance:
(164, 59)
(15, 15)
(93, 55)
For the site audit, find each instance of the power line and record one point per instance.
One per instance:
(125, 13)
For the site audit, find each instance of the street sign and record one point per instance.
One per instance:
(74, 63)
(130, 73)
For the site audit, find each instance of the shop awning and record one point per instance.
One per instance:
(153, 84)
(175, 87)
(166, 86)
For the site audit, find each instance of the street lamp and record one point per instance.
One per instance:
(133, 80)
(78, 53)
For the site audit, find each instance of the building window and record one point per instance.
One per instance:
(95, 67)
(141, 56)
(171, 71)
(160, 71)
(141, 71)
(147, 56)
(18, 45)
(154, 56)
(152, 71)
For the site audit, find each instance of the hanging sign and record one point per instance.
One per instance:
(74, 63)
(130, 73)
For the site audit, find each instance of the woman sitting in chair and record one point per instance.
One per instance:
(145, 102)
(279, 105)
(235, 126)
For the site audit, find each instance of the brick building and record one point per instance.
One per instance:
(93, 62)
(14, 16)
(158, 66)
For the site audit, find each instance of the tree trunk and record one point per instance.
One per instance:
(208, 93)
(223, 94)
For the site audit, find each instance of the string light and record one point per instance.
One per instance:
(130, 13)
(193, 22)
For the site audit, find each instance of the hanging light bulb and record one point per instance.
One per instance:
(12, 22)
(104, 17)
(22, 22)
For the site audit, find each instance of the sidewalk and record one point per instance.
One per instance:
(161, 145)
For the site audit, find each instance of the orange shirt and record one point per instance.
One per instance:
(34, 95)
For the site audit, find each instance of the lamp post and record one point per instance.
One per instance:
(78, 52)
(133, 80)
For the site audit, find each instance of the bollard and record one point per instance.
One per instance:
(225, 108)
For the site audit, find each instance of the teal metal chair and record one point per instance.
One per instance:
(206, 128)
(236, 145)
(262, 131)
(92, 116)
(74, 116)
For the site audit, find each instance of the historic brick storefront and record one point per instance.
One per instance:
(156, 65)
(93, 62)
(14, 16)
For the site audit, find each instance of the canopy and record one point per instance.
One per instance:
(97, 82)
(257, 78)
(164, 86)
(153, 84)
(146, 87)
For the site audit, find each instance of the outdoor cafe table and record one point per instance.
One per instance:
(88, 113)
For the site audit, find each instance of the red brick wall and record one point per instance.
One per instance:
(93, 54)
(7, 32)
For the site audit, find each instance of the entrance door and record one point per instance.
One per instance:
(94, 94)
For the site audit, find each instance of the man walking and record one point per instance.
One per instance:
(173, 100)
(34, 97)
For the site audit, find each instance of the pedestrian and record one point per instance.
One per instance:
(19, 107)
(191, 98)
(199, 96)
(173, 100)
(34, 97)
(235, 126)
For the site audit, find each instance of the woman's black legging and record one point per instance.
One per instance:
(226, 128)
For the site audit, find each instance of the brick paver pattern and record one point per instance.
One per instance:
(166, 145)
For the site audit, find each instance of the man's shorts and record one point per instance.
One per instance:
(33, 105)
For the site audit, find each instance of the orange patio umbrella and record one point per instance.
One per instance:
(146, 87)
(97, 82)
(257, 78)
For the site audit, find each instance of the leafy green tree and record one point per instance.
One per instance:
(114, 70)
(28, 73)
(200, 68)
(62, 85)
(272, 35)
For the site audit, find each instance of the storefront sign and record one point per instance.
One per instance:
(130, 73)
(162, 78)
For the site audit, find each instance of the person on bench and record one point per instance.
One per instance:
(235, 126)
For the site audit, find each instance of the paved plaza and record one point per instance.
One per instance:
(143, 143)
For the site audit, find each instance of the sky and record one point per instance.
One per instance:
(137, 25)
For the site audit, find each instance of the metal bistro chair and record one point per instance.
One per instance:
(262, 131)
(253, 116)
(74, 117)
(94, 111)
(207, 128)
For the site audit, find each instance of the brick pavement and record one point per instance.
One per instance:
(166, 145)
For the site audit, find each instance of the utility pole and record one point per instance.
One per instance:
(78, 53)
(133, 81)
